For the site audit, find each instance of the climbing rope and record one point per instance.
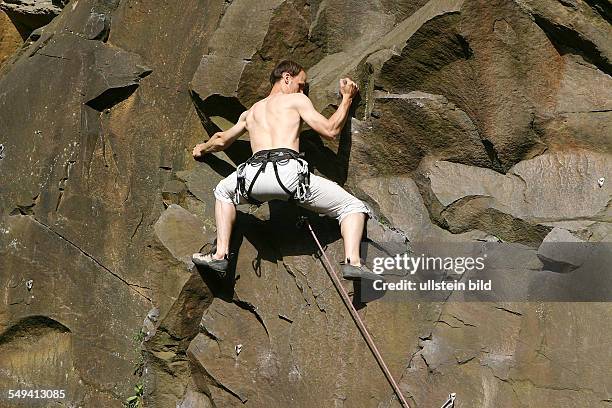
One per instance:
(362, 328)
(450, 402)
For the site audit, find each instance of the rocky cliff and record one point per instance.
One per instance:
(477, 120)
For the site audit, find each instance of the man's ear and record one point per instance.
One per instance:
(286, 77)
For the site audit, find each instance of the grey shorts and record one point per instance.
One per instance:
(326, 197)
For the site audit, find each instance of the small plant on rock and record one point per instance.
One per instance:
(135, 401)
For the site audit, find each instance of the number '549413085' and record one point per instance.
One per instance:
(36, 394)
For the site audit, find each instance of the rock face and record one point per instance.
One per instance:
(28, 15)
(10, 39)
(519, 205)
(477, 121)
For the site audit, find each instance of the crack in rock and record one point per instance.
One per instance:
(132, 286)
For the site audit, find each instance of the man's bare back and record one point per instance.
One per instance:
(275, 121)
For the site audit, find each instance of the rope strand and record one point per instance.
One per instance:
(359, 322)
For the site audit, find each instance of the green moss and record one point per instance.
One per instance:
(135, 401)
(139, 337)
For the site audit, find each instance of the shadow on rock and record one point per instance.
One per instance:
(280, 236)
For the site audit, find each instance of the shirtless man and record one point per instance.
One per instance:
(276, 171)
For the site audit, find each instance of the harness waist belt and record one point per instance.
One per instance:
(274, 156)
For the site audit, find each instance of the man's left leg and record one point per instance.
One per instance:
(225, 216)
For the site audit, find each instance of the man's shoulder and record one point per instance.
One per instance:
(282, 96)
(286, 101)
(295, 99)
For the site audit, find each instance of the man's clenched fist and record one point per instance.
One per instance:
(348, 87)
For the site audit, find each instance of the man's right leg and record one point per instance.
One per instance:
(351, 229)
(327, 197)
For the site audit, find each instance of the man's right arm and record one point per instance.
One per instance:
(328, 128)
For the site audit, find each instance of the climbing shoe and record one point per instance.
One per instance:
(353, 272)
(207, 260)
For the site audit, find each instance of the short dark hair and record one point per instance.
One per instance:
(293, 68)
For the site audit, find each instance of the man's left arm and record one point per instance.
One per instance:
(221, 140)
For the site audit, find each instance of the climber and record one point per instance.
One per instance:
(277, 171)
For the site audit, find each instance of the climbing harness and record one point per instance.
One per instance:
(278, 157)
(450, 403)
